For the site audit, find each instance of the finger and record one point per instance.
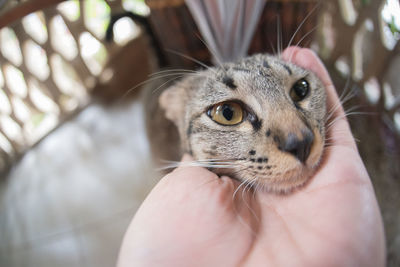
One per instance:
(196, 178)
(208, 179)
(189, 174)
(186, 168)
(339, 132)
(186, 158)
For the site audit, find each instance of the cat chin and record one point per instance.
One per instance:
(286, 175)
(288, 185)
(316, 151)
(285, 183)
(290, 182)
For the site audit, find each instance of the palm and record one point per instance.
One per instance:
(332, 220)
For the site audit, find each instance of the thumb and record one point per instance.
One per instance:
(338, 130)
(186, 158)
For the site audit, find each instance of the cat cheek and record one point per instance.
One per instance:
(316, 149)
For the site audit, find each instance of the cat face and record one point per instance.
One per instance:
(260, 120)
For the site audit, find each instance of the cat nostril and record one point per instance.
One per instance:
(300, 148)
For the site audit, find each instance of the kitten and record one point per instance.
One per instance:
(259, 120)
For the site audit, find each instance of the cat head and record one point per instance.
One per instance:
(260, 120)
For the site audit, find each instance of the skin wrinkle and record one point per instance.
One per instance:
(334, 184)
(321, 234)
(286, 228)
(255, 223)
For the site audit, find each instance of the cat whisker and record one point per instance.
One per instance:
(256, 187)
(272, 47)
(336, 132)
(302, 39)
(172, 166)
(329, 139)
(279, 37)
(250, 187)
(204, 160)
(191, 58)
(195, 163)
(346, 115)
(337, 106)
(232, 160)
(360, 113)
(180, 71)
(213, 53)
(343, 99)
(215, 159)
(151, 79)
(250, 179)
(346, 88)
(136, 86)
(206, 163)
(240, 218)
(299, 27)
(330, 144)
(168, 74)
(246, 181)
(169, 80)
(329, 125)
(351, 109)
(174, 74)
(240, 170)
(346, 97)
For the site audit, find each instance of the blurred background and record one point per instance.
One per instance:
(75, 162)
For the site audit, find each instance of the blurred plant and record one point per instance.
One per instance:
(393, 26)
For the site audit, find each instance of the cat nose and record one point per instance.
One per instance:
(300, 148)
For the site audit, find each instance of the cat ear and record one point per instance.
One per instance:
(173, 101)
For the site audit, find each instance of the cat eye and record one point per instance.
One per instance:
(226, 113)
(299, 90)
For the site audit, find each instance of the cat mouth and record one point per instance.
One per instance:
(282, 175)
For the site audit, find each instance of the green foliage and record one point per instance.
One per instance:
(392, 26)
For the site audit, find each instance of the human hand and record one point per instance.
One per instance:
(194, 218)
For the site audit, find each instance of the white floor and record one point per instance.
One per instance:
(71, 198)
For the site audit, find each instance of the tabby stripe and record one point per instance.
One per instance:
(228, 81)
(288, 69)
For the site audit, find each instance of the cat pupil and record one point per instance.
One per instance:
(301, 88)
(227, 112)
